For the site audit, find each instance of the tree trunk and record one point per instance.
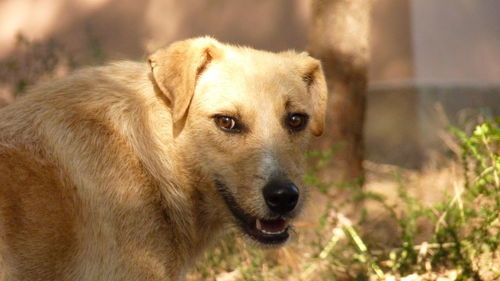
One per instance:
(339, 34)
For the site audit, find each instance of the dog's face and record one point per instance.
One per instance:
(243, 121)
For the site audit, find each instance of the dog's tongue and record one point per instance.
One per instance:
(271, 226)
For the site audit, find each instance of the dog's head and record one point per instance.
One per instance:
(243, 119)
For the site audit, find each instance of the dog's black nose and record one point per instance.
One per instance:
(281, 196)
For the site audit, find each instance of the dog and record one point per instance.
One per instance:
(130, 171)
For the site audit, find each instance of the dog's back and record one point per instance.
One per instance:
(56, 144)
(37, 204)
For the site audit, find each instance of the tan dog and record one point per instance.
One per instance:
(129, 171)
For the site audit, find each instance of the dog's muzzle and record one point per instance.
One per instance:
(281, 197)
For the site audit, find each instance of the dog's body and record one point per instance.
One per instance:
(129, 171)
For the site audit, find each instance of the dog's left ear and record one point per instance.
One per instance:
(177, 67)
(312, 75)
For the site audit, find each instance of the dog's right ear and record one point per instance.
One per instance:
(177, 67)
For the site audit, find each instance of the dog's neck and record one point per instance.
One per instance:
(207, 221)
(186, 192)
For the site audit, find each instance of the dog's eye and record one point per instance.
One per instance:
(226, 123)
(296, 121)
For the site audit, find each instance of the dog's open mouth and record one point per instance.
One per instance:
(266, 231)
(270, 231)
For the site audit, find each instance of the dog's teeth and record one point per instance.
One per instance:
(278, 232)
(258, 225)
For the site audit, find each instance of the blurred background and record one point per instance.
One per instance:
(431, 63)
(399, 72)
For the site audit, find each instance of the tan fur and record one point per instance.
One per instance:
(108, 174)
